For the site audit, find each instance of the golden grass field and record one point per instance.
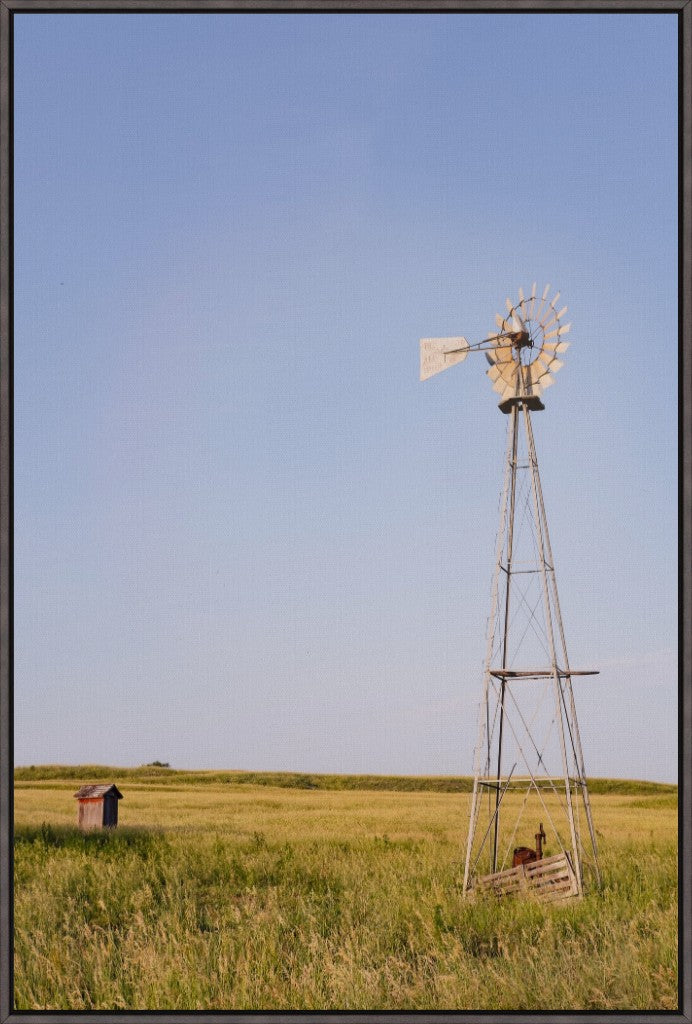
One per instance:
(234, 895)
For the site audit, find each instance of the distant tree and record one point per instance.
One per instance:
(157, 764)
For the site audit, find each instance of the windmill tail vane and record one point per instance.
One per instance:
(529, 764)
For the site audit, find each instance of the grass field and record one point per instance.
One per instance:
(258, 891)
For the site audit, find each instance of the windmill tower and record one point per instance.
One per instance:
(529, 778)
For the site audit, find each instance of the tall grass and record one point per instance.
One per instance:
(155, 775)
(291, 899)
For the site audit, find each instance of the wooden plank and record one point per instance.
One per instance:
(546, 876)
(500, 883)
(557, 858)
(501, 875)
(560, 884)
(551, 874)
(551, 869)
(536, 871)
(503, 883)
(516, 879)
(564, 885)
(554, 883)
(532, 869)
(550, 880)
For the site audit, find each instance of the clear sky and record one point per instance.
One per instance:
(246, 535)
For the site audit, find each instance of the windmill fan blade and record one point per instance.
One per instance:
(542, 363)
(555, 365)
(543, 306)
(437, 354)
(557, 316)
(556, 346)
(533, 300)
(521, 296)
(503, 388)
(559, 331)
(547, 381)
(506, 372)
(509, 305)
(497, 376)
(502, 353)
(491, 354)
(499, 322)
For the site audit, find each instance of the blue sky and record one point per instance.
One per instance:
(246, 535)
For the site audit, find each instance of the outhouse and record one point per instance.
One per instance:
(98, 806)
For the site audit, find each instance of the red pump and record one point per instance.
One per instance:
(525, 855)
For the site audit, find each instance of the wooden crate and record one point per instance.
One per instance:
(550, 880)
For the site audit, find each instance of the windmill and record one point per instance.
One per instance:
(529, 765)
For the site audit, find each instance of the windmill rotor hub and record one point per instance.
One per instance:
(521, 339)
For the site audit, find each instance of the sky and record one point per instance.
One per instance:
(246, 535)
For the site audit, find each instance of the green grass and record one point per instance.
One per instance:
(234, 895)
(298, 780)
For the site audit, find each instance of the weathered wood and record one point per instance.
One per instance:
(90, 813)
(549, 880)
(506, 875)
(98, 806)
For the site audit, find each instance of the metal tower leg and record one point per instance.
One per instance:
(514, 428)
(540, 537)
(483, 724)
(574, 725)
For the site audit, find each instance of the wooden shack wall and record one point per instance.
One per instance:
(91, 813)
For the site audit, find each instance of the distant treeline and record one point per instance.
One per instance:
(297, 780)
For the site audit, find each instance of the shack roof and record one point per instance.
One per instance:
(94, 791)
